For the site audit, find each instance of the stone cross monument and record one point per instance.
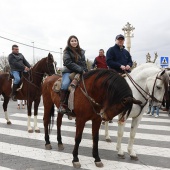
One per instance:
(128, 29)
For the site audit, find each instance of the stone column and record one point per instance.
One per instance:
(128, 29)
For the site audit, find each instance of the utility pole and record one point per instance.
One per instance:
(128, 29)
(61, 57)
(4, 62)
(33, 53)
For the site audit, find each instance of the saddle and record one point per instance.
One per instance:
(20, 83)
(57, 87)
(75, 78)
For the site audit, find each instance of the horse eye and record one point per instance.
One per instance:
(158, 87)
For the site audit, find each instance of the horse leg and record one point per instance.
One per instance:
(29, 106)
(95, 134)
(80, 123)
(134, 126)
(46, 120)
(107, 137)
(59, 139)
(120, 132)
(5, 104)
(36, 104)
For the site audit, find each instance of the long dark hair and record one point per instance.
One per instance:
(76, 51)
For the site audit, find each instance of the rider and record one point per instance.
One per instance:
(100, 61)
(17, 64)
(117, 57)
(74, 61)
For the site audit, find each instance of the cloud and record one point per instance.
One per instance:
(95, 23)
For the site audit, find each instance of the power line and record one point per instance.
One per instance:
(29, 45)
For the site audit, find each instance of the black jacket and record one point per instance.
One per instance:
(115, 57)
(17, 62)
(70, 65)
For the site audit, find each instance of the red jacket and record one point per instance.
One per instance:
(100, 62)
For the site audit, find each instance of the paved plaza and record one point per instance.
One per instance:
(20, 150)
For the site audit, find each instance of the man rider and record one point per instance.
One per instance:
(18, 64)
(117, 57)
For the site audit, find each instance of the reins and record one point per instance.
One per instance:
(139, 88)
(91, 100)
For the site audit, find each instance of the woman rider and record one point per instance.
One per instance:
(73, 61)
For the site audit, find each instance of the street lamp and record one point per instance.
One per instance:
(33, 53)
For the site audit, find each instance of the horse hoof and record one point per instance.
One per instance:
(135, 158)
(76, 164)
(121, 156)
(37, 131)
(30, 131)
(48, 147)
(60, 147)
(99, 164)
(69, 117)
(108, 140)
(9, 123)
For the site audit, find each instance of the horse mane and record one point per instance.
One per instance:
(116, 86)
(39, 62)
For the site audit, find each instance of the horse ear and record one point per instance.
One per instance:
(163, 72)
(50, 56)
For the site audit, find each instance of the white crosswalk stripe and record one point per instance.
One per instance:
(19, 121)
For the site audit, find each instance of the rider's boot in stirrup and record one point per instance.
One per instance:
(63, 101)
(13, 95)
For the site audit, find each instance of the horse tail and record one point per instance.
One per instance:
(52, 110)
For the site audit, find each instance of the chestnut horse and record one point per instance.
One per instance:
(101, 94)
(31, 88)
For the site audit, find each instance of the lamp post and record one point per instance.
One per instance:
(128, 29)
(61, 57)
(33, 53)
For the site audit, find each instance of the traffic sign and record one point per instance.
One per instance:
(164, 61)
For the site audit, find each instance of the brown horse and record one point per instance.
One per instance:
(31, 89)
(110, 94)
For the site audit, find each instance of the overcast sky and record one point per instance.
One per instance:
(49, 23)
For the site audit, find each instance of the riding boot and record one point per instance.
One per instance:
(64, 94)
(14, 88)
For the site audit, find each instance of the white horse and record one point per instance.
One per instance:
(149, 77)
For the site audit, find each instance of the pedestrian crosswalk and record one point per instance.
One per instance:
(22, 150)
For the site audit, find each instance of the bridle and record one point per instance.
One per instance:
(140, 90)
(137, 86)
(38, 74)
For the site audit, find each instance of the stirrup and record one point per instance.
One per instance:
(62, 109)
(13, 98)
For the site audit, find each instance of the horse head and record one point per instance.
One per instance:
(157, 86)
(123, 107)
(50, 68)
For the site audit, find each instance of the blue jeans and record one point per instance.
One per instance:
(65, 81)
(155, 108)
(16, 75)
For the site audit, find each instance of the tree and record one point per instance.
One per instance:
(89, 64)
(134, 65)
(4, 65)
